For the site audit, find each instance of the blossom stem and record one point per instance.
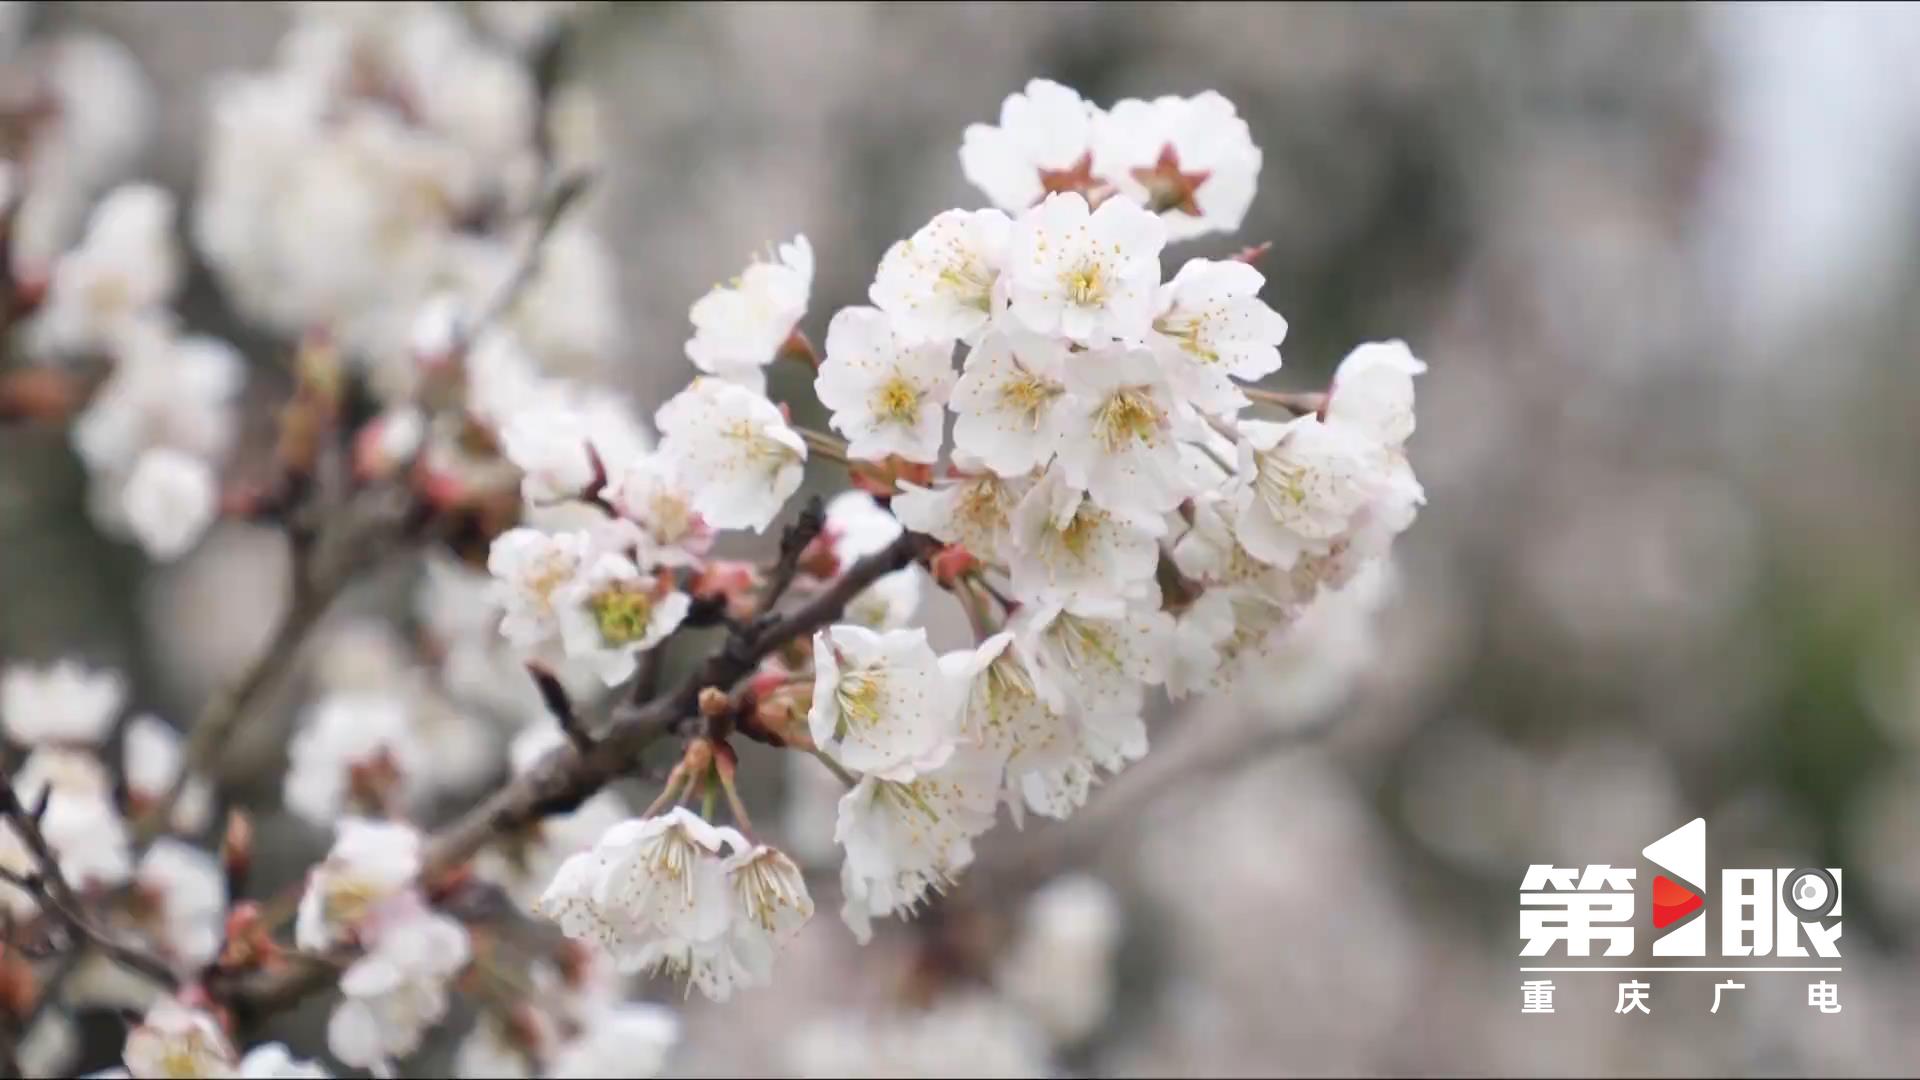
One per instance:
(723, 767)
(833, 767)
(709, 796)
(827, 446)
(1301, 402)
(675, 781)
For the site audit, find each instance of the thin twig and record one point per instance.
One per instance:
(1302, 402)
(560, 706)
(49, 887)
(793, 544)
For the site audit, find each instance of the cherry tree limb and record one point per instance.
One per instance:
(49, 887)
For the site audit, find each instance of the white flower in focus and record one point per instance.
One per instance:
(126, 265)
(169, 501)
(1044, 143)
(1009, 712)
(272, 1061)
(1090, 276)
(650, 890)
(647, 492)
(1117, 432)
(175, 1041)
(887, 392)
(630, 1040)
(904, 837)
(1200, 633)
(1102, 662)
(733, 450)
(859, 526)
(944, 281)
(739, 327)
(881, 703)
(398, 989)
(1067, 547)
(611, 613)
(975, 511)
(61, 703)
(1212, 327)
(355, 752)
(1373, 391)
(1110, 739)
(1009, 393)
(1301, 484)
(183, 901)
(1190, 160)
(372, 865)
(530, 569)
(770, 905)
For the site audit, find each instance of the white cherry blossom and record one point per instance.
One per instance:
(394, 992)
(1191, 160)
(904, 837)
(550, 446)
(151, 759)
(739, 327)
(1117, 432)
(365, 878)
(648, 892)
(881, 703)
(176, 1040)
(733, 450)
(611, 613)
(1109, 740)
(64, 702)
(1301, 484)
(1373, 391)
(169, 501)
(1068, 547)
(1010, 391)
(1211, 328)
(1102, 661)
(627, 1040)
(1009, 711)
(164, 391)
(530, 568)
(525, 862)
(886, 391)
(183, 901)
(355, 752)
(1044, 143)
(126, 265)
(648, 492)
(272, 1061)
(1088, 276)
(944, 281)
(973, 509)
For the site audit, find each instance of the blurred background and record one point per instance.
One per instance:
(1664, 264)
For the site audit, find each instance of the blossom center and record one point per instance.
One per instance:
(971, 285)
(1086, 284)
(897, 400)
(1126, 416)
(1078, 534)
(1029, 395)
(858, 696)
(1282, 486)
(1191, 334)
(765, 892)
(622, 612)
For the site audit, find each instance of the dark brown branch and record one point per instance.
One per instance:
(793, 545)
(567, 776)
(560, 706)
(49, 887)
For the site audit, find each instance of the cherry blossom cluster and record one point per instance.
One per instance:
(1043, 436)
(1116, 515)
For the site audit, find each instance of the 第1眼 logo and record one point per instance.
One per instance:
(1783, 913)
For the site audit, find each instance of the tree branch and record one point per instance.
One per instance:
(568, 776)
(49, 887)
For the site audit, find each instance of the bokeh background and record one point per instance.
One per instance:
(1664, 264)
